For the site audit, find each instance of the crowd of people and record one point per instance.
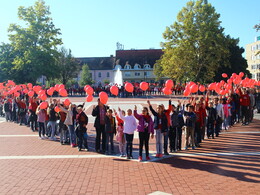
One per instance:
(199, 117)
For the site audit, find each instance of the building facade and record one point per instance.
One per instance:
(100, 68)
(253, 58)
(137, 65)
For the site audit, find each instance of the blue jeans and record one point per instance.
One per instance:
(82, 139)
(52, 124)
(72, 134)
(110, 138)
(41, 129)
(159, 143)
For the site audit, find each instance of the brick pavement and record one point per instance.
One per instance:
(229, 164)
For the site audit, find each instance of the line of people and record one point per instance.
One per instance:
(197, 117)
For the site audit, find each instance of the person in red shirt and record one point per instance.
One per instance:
(33, 117)
(244, 104)
(22, 111)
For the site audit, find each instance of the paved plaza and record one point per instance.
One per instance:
(229, 164)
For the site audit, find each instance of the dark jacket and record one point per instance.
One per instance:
(175, 119)
(190, 121)
(108, 127)
(7, 107)
(96, 113)
(212, 114)
(164, 121)
(82, 119)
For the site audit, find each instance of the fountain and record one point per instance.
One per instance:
(118, 77)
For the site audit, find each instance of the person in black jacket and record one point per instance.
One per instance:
(81, 130)
(211, 122)
(110, 129)
(161, 127)
(173, 131)
(99, 112)
(7, 109)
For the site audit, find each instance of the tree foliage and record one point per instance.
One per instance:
(36, 43)
(85, 78)
(194, 46)
(67, 65)
(237, 62)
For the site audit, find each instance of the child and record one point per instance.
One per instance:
(120, 133)
(129, 128)
(81, 130)
(110, 129)
(41, 113)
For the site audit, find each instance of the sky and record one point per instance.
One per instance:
(91, 28)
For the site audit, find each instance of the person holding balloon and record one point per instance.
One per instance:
(99, 112)
(145, 129)
(52, 121)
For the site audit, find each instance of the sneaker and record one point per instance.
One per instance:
(86, 149)
(160, 155)
(193, 147)
(43, 137)
(148, 158)
(79, 149)
(128, 157)
(186, 148)
(157, 155)
(166, 153)
(40, 138)
(140, 159)
(131, 157)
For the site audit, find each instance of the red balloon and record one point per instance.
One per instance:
(57, 109)
(129, 87)
(43, 105)
(169, 84)
(167, 91)
(56, 87)
(31, 93)
(103, 97)
(241, 74)
(202, 88)
(61, 86)
(186, 92)
(67, 102)
(144, 86)
(63, 92)
(41, 92)
(49, 92)
(43, 97)
(114, 90)
(194, 88)
(212, 86)
(89, 90)
(89, 98)
(25, 91)
(29, 85)
(224, 75)
(16, 94)
(85, 88)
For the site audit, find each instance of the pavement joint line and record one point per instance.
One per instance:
(117, 156)
(241, 132)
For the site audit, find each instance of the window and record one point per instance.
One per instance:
(137, 66)
(147, 66)
(90, 74)
(137, 74)
(253, 76)
(147, 74)
(108, 75)
(99, 75)
(127, 74)
(258, 76)
(127, 67)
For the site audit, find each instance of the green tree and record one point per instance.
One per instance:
(237, 62)
(36, 43)
(194, 46)
(67, 66)
(85, 78)
(6, 58)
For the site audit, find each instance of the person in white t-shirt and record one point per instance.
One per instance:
(130, 126)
